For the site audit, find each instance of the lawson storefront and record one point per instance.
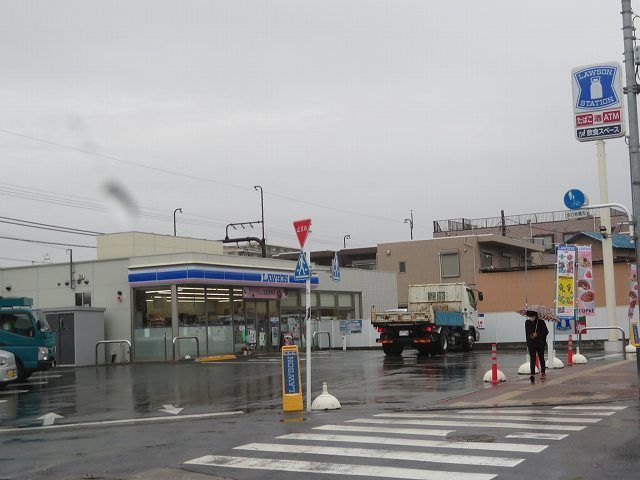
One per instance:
(228, 308)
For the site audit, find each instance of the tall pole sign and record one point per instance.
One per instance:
(303, 228)
(598, 114)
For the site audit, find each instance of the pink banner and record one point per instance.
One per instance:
(633, 289)
(586, 289)
(271, 293)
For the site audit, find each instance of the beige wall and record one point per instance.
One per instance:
(422, 259)
(505, 291)
(136, 244)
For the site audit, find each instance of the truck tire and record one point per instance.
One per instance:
(442, 345)
(23, 374)
(391, 350)
(467, 346)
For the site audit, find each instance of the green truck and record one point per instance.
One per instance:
(24, 331)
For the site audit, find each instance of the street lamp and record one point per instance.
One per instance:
(344, 240)
(174, 219)
(256, 187)
(410, 222)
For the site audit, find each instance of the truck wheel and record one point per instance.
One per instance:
(392, 350)
(471, 339)
(443, 343)
(23, 374)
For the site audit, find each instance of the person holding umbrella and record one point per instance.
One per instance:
(536, 333)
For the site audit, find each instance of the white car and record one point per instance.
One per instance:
(8, 371)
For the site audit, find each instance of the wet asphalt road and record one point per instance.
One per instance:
(365, 382)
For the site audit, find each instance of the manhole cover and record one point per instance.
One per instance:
(471, 438)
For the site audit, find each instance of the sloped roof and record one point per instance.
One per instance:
(619, 240)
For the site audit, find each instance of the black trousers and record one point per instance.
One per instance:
(533, 351)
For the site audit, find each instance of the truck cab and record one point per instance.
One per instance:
(24, 331)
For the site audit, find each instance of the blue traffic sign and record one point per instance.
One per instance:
(335, 268)
(597, 87)
(574, 199)
(302, 268)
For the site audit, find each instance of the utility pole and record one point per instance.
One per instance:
(504, 223)
(72, 284)
(174, 220)
(632, 89)
(344, 240)
(410, 222)
(256, 187)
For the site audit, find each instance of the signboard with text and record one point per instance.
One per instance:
(291, 384)
(598, 108)
(302, 230)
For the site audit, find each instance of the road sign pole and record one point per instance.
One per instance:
(628, 32)
(307, 286)
(607, 242)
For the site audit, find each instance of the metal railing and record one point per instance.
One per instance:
(176, 339)
(104, 342)
(315, 338)
(584, 329)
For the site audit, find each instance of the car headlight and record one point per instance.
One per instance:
(43, 353)
(3, 361)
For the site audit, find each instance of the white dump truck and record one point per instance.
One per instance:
(439, 315)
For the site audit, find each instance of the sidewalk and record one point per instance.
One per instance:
(596, 382)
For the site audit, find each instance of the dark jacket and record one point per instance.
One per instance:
(538, 326)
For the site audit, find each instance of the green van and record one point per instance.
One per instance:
(24, 331)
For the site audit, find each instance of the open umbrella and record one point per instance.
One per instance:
(544, 313)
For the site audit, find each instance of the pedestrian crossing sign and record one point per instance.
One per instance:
(335, 268)
(302, 268)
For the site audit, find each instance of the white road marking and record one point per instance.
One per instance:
(169, 408)
(3, 401)
(508, 418)
(386, 454)
(412, 442)
(46, 376)
(538, 435)
(333, 468)
(11, 392)
(126, 421)
(49, 418)
(588, 407)
(447, 423)
(402, 431)
(27, 384)
(540, 412)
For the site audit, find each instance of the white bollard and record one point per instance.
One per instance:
(525, 368)
(325, 401)
(501, 376)
(555, 361)
(578, 358)
(344, 342)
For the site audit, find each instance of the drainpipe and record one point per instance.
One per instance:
(475, 269)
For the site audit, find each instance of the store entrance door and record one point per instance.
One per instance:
(263, 324)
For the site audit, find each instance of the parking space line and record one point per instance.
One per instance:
(412, 442)
(126, 421)
(516, 411)
(12, 392)
(385, 454)
(587, 407)
(333, 468)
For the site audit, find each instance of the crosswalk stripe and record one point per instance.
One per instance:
(401, 431)
(413, 442)
(526, 418)
(538, 435)
(587, 407)
(448, 423)
(385, 454)
(333, 468)
(541, 412)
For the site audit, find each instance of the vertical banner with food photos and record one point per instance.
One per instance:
(565, 293)
(633, 290)
(586, 297)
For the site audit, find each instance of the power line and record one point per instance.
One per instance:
(44, 226)
(20, 260)
(194, 177)
(45, 242)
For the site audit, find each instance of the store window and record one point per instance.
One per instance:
(449, 264)
(545, 240)
(152, 323)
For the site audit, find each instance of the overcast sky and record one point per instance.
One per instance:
(348, 112)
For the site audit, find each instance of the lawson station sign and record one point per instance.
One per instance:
(598, 101)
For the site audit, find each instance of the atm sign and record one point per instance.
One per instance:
(599, 118)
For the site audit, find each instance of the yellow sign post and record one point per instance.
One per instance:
(291, 384)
